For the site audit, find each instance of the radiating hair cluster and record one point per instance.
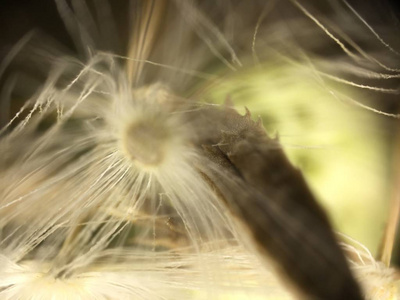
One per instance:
(126, 175)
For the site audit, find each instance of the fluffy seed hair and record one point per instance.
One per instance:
(121, 179)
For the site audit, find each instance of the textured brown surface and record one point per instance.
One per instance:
(274, 203)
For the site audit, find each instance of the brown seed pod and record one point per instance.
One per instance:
(279, 212)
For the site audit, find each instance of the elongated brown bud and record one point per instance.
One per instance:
(279, 212)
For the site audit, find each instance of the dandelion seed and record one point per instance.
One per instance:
(118, 181)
